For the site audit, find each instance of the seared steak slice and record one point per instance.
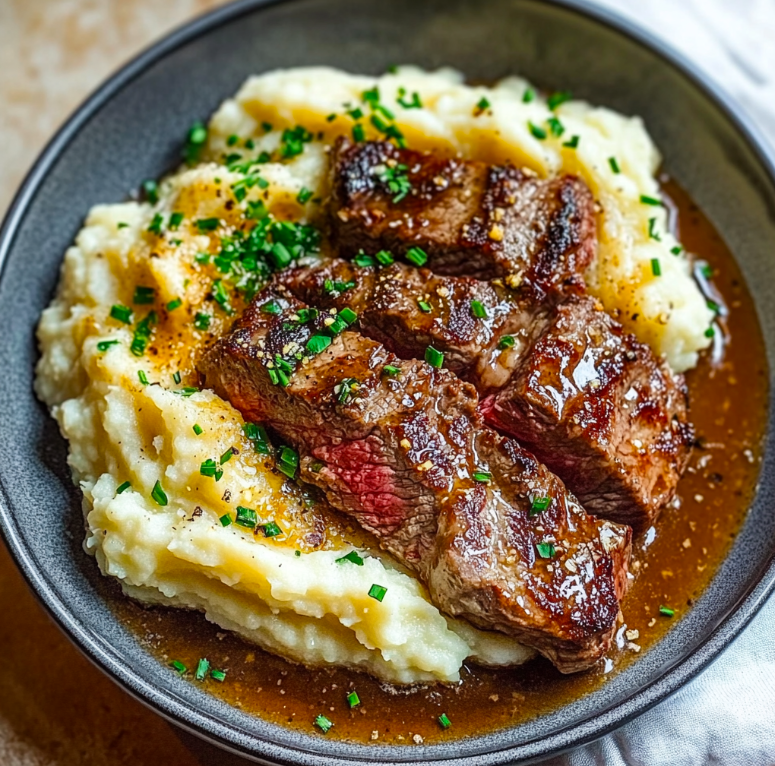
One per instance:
(470, 218)
(601, 411)
(589, 400)
(409, 309)
(398, 446)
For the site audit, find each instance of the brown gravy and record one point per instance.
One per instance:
(672, 567)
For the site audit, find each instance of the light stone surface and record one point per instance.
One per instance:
(58, 710)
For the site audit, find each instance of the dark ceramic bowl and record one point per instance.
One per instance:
(130, 129)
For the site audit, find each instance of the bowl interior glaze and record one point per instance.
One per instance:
(131, 129)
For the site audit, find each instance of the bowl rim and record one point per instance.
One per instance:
(204, 725)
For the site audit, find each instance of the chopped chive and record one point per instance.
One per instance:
(232, 139)
(555, 126)
(384, 258)
(656, 269)
(362, 260)
(331, 117)
(390, 370)
(318, 343)
(201, 669)
(646, 200)
(195, 141)
(104, 345)
(481, 105)
(142, 334)
(143, 295)
(444, 721)
(202, 321)
(713, 306)
(121, 313)
(225, 520)
(537, 132)
(151, 190)
(528, 96)
(123, 488)
(677, 250)
(352, 557)
(142, 377)
(614, 165)
(203, 258)
(666, 611)
(207, 224)
(218, 675)
(210, 468)
(417, 256)
(323, 723)
(221, 297)
(174, 304)
(175, 220)
(304, 196)
(434, 357)
(176, 377)
(155, 226)
(425, 307)
(507, 341)
(353, 700)
(186, 391)
(545, 550)
(560, 97)
(246, 517)
(572, 142)
(539, 505)
(158, 494)
(653, 234)
(348, 315)
(707, 271)
(258, 435)
(415, 103)
(122, 225)
(178, 666)
(270, 529)
(266, 127)
(483, 477)
(288, 461)
(358, 133)
(297, 554)
(227, 456)
(478, 310)
(710, 332)
(271, 307)
(377, 592)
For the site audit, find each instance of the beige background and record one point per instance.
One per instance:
(55, 708)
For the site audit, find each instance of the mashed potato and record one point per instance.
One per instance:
(184, 503)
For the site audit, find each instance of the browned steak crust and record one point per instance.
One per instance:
(589, 400)
(470, 218)
(398, 445)
(600, 410)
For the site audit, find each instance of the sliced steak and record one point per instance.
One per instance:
(398, 445)
(600, 410)
(409, 309)
(468, 217)
(589, 400)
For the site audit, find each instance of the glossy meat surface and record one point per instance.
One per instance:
(408, 309)
(589, 400)
(470, 218)
(601, 411)
(398, 445)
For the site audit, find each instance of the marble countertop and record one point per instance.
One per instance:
(58, 710)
